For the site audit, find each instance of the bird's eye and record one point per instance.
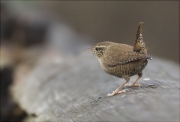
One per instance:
(97, 49)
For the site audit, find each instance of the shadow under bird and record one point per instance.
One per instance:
(123, 60)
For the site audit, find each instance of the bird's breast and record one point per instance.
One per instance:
(128, 69)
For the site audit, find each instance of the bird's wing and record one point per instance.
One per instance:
(121, 54)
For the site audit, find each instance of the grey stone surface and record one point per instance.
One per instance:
(75, 88)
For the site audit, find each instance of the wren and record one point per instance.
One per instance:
(122, 60)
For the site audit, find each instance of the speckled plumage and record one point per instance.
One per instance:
(123, 60)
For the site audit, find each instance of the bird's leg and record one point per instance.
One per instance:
(117, 91)
(135, 82)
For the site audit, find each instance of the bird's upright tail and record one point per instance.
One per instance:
(139, 44)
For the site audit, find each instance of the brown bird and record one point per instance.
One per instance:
(123, 60)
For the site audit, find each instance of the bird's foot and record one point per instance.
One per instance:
(117, 92)
(128, 84)
(136, 84)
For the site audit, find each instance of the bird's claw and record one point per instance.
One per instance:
(123, 91)
(137, 84)
(119, 92)
(128, 84)
(112, 94)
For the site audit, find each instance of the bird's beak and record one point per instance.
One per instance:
(88, 49)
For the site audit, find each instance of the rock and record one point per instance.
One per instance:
(67, 85)
(75, 88)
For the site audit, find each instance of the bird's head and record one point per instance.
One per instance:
(100, 48)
